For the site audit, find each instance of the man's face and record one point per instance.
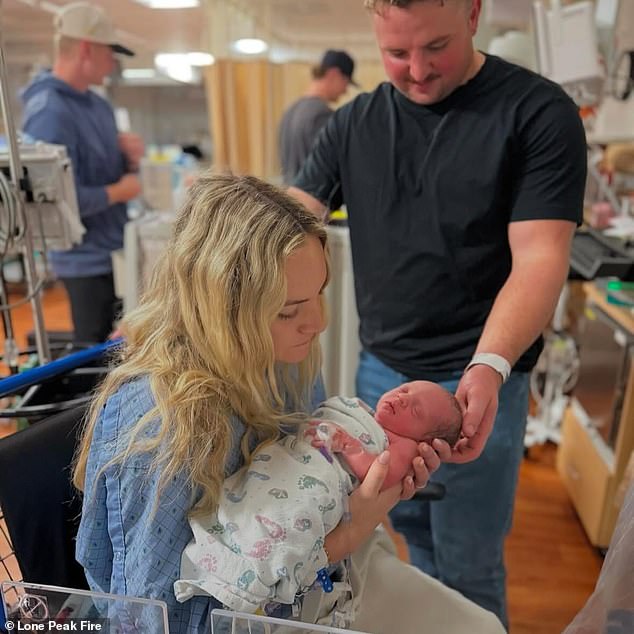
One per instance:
(338, 83)
(100, 62)
(427, 48)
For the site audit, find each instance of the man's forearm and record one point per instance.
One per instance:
(540, 251)
(523, 308)
(91, 200)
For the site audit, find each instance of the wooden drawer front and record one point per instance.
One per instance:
(585, 475)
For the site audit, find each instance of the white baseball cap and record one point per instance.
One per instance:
(84, 21)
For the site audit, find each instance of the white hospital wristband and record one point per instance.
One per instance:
(495, 361)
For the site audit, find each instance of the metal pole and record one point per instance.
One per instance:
(10, 347)
(41, 339)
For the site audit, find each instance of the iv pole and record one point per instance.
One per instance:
(41, 339)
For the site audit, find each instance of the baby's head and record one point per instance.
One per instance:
(421, 410)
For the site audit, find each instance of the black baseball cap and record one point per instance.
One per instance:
(340, 60)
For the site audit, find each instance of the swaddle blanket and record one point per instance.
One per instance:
(265, 542)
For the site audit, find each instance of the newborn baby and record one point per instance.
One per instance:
(407, 415)
(264, 544)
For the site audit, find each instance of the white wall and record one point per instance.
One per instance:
(165, 114)
(160, 114)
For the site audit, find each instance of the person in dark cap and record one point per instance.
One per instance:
(59, 107)
(304, 118)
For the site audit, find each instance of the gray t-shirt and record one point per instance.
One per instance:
(298, 130)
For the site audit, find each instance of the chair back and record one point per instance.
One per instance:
(40, 505)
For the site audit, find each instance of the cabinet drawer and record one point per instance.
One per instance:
(585, 475)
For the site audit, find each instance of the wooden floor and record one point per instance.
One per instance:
(552, 568)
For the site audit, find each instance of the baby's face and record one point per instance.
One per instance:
(414, 409)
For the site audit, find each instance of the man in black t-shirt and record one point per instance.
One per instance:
(463, 179)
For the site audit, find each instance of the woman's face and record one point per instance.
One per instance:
(301, 319)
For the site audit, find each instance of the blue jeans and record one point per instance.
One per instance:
(460, 539)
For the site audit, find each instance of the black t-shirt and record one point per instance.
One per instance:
(430, 191)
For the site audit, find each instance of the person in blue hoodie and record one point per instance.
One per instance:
(59, 107)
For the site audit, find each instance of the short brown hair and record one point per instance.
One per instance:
(448, 429)
(317, 72)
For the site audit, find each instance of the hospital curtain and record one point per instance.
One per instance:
(246, 100)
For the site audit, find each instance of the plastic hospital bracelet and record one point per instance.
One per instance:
(495, 361)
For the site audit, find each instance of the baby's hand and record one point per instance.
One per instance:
(314, 436)
(323, 434)
(348, 445)
(332, 437)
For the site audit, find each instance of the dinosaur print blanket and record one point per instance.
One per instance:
(264, 544)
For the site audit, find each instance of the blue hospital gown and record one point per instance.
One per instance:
(125, 545)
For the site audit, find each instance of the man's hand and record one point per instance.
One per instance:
(477, 395)
(310, 202)
(126, 188)
(132, 146)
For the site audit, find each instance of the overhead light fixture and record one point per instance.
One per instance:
(170, 4)
(138, 73)
(198, 58)
(175, 65)
(250, 46)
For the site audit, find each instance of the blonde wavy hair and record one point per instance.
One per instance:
(202, 335)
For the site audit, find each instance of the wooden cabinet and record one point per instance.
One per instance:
(590, 461)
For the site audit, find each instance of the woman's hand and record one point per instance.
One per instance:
(424, 465)
(368, 508)
(369, 505)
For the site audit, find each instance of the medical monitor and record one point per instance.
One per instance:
(606, 13)
(508, 14)
(567, 49)
(51, 207)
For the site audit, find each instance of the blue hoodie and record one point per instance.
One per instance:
(84, 122)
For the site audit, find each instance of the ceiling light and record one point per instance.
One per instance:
(198, 58)
(138, 73)
(170, 4)
(175, 65)
(250, 46)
